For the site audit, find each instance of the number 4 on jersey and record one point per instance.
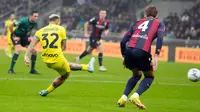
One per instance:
(143, 26)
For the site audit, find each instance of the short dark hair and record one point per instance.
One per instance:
(151, 10)
(34, 11)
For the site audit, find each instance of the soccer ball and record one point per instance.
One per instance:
(194, 74)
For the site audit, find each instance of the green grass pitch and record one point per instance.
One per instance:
(95, 92)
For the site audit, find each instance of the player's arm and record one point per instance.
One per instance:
(11, 28)
(107, 30)
(86, 26)
(160, 33)
(64, 39)
(6, 27)
(63, 44)
(15, 24)
(125, 39)
(86, 29)
(29, 49)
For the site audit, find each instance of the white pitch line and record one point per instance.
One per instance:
(97, 81)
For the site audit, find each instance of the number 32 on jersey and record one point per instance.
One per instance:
(54, 37)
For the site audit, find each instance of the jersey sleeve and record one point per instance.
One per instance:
(17, 23)
(37, 35)
(6, 24)
(131, 30)
(63, 34)
(161, 27)
(160, 33)
(93, 21)
(107, 25)
(126, 38)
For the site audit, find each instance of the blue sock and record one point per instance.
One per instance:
(33, 59)
(131, 84)
(145, 84)
(100, 57)
(83, 54)
(14, 59)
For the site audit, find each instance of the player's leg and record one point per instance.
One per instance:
(85, 53)
(143, 86)
(56, 83)
(63, 69)
(84, 67)
(100, 57)
(10, 47)
(146, 67)
(33, 62)
(131, 62)
(18, 48)
(131, 83)
(145, 83)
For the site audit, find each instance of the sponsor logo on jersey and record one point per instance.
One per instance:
(100, 26)
(140, 36)
(50, 55)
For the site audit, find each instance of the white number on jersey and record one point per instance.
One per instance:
(144, 26)
(92, 19)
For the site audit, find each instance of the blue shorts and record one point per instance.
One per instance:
(138, 59)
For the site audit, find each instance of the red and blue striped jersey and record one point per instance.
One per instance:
(98, 26)
(143, 32)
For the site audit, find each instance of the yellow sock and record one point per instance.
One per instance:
(84, 67)
(9, 49)
(50, 88)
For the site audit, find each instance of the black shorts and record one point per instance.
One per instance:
(138, 59)
(94, 43)
(23, 41)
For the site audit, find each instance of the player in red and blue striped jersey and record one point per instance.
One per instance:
(99, 25)
(136, 51)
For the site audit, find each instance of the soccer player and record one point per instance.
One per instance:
(53, 40)
(99, 24)
(135, 48)
(8, 22)
(21, 38)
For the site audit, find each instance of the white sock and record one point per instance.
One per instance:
(124, 97)
(136, 95)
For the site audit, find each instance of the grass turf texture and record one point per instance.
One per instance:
(96, 92)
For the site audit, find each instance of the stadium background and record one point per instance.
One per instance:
(99, 92)
(181, 17)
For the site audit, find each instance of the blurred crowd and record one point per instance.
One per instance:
(179, 26)
(185, 26)
(21, 8)
(117, 14)
(5, 5)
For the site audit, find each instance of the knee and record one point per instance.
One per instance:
(18, 49)
(65, 76)
(34, 52)
(100, 54)
(149, 74)
(72, 65)
(89, 50)
(139, 73)
(101, 50)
